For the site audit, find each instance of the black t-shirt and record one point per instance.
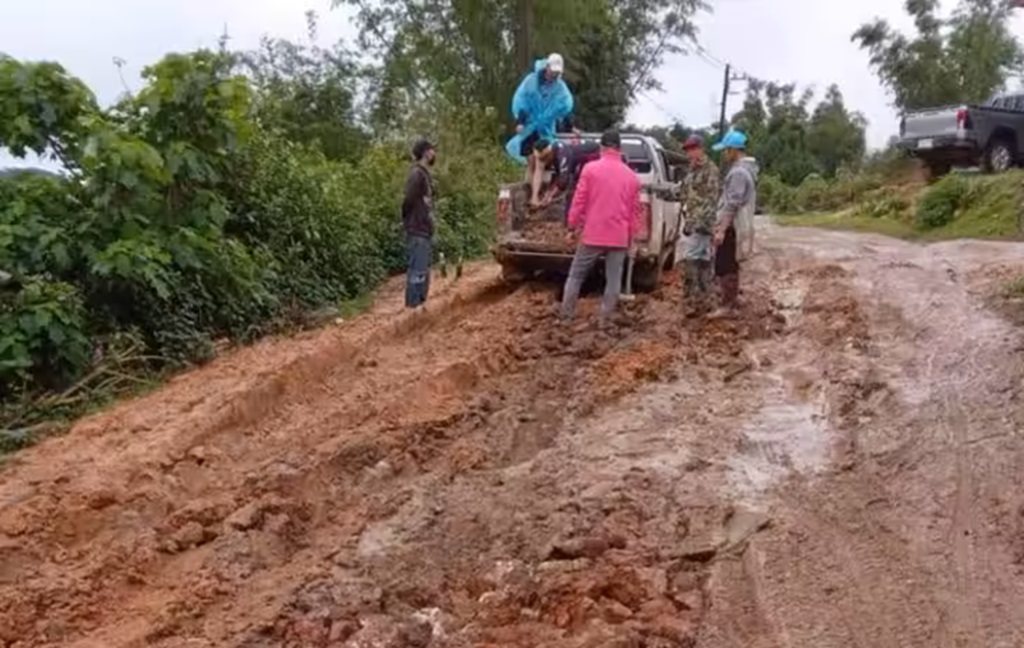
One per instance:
(417, 204)
(570, 158)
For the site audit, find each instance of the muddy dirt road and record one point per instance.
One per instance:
(840, 468)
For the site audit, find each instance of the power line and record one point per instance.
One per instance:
(664, 111)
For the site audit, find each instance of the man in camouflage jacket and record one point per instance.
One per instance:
(700, 195)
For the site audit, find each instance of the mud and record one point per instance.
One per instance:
(839, 467)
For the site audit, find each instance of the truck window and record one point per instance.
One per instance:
(637, 155)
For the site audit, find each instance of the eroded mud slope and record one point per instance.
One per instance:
(838, 468)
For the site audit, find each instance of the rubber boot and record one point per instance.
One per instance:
(729, 287)
(694, 297)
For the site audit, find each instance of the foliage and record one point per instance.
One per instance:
(813, 194)
(986, 206)
(939, 202)
(210, 205)
(835, 136)
(308, 94)
(966, 58)
(790, 141)
(472, 53)
(884, 202)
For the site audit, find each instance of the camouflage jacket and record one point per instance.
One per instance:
(700, 193)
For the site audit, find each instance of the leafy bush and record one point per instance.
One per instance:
(775, 196)
(883, 203)
(939, 202)
(184, 219)
(813, 194)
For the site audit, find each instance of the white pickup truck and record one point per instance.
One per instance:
(527, 244)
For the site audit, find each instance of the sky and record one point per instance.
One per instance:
(802, 41)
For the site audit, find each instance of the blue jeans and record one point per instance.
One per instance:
(582, 262)
(417, 277)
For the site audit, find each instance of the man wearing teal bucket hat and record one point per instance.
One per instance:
(738, 193)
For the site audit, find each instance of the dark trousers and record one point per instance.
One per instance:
(418, 250)
(727, 269)
(725, 255)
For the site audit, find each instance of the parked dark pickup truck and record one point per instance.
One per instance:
(990, 135)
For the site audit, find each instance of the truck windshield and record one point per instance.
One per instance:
(638, 156)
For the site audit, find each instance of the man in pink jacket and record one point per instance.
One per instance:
(606, 206)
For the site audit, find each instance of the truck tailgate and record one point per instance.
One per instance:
(932, 123)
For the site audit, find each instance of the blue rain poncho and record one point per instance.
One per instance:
(543, 104)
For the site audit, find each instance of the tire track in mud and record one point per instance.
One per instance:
(478, 477)
(861, 553)
(347, 504)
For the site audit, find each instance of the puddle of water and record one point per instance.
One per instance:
(781, 439)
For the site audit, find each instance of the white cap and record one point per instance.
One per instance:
(555, 63)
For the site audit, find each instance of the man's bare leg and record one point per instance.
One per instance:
(536, 171)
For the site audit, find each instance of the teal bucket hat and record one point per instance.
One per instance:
(733, 139)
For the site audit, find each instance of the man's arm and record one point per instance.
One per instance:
(577, 212)
(737, 189)
(709, 200)
(521, 100)
(415, 190)
(637, 221)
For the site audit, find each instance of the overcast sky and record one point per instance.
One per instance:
(806, 41)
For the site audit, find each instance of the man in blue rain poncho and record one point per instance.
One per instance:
(540, 102)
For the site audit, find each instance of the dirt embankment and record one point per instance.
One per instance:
(830, 470)
(362, 484)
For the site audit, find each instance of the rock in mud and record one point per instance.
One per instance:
(615, 612)
(386, 632)
(588, 547)
(672, 628)
(245, 518)
(188, 536)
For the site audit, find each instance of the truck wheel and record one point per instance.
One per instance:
(670, 259)
(647, 276)
(937, 169)
(998, 157)
(512, 275)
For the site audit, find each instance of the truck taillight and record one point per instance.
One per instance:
(644, 234)
(962, 121)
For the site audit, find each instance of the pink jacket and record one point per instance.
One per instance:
(606, 203)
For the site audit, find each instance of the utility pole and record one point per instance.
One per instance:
(725, 97)
(729, 78)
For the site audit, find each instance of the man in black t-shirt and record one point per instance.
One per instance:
(566, 160)
(418, 223)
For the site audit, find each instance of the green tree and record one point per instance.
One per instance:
(308, 93)
(790, 140)
(966, 58)
(474, 52)
(835, 135)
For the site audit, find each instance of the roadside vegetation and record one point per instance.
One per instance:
(965, 57)
(234, 193)
(229, 197)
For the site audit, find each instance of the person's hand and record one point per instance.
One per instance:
(631, 252)
(570, 237)
(687, 228)
(719, 236)
(519, 128)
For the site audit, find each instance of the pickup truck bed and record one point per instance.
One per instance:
(530, 243)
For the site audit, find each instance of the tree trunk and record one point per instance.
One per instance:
(524, 35)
